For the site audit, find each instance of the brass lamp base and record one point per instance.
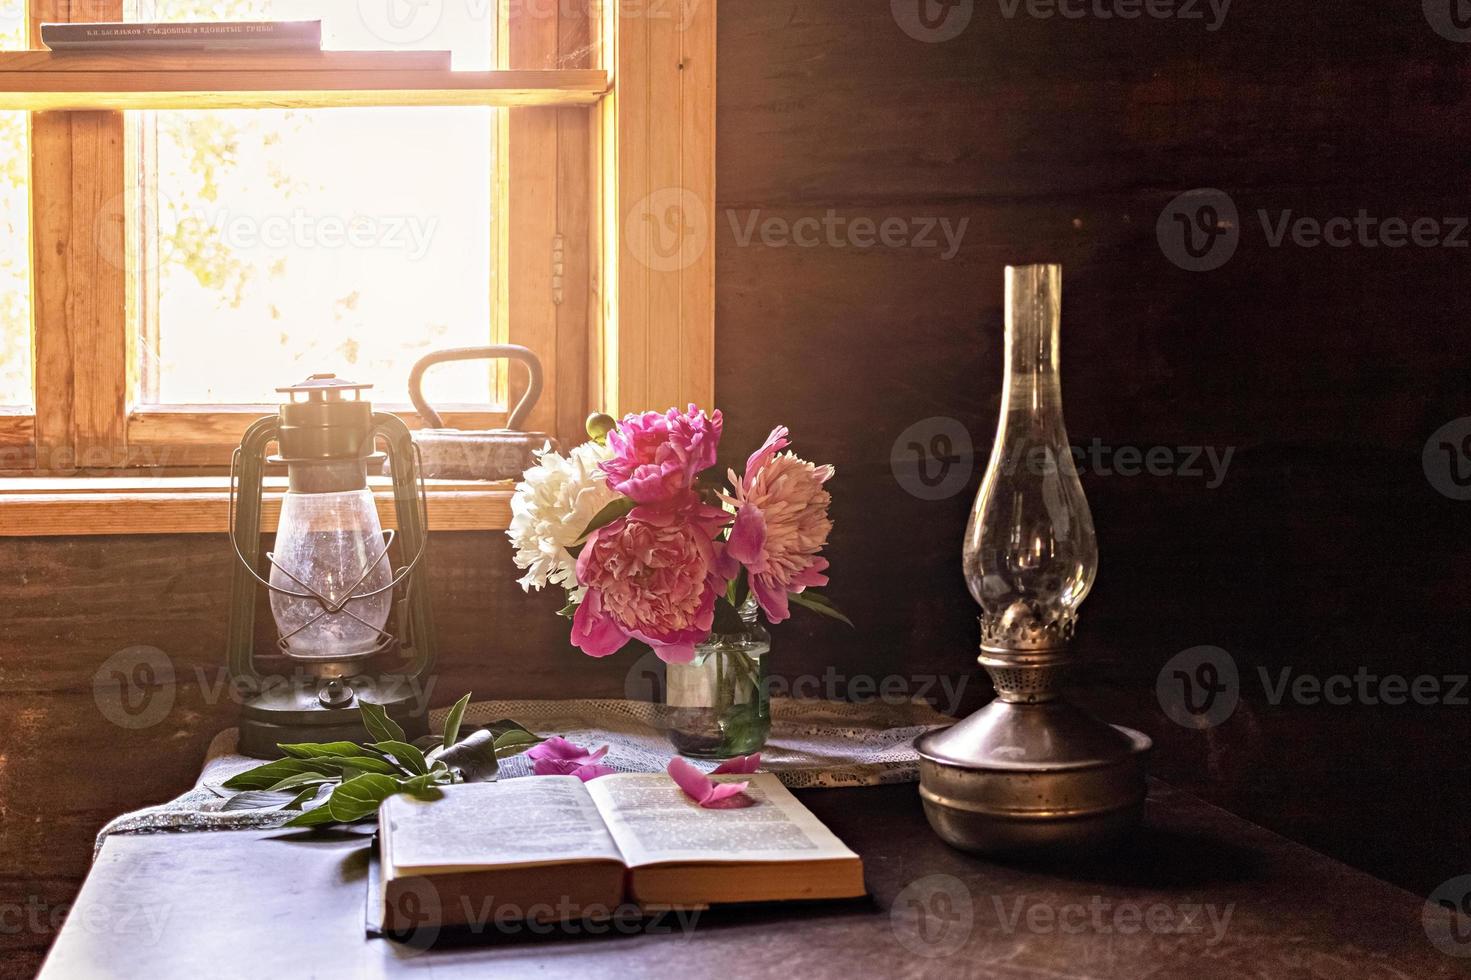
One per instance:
(1016, 779)
(308, 709)
(1031, 773)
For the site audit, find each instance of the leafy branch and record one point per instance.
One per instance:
(359, 778)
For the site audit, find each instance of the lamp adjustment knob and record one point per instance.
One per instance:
(335, 693)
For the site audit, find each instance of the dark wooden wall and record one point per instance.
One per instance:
(1323, 370)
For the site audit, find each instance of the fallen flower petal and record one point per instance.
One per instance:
(700, 787)
(740, 764)
(590, 772)
(559, 757)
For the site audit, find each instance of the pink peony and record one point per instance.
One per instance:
(652, 576)
(657, 457)
(781, 524)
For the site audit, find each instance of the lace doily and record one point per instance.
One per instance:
(812, 744)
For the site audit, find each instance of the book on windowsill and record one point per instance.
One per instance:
(577, 850)
(255, 35)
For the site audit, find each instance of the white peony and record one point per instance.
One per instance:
(555, 502)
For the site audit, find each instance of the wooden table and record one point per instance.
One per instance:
(1199, 894)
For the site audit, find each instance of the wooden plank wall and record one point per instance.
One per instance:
(1323, 370)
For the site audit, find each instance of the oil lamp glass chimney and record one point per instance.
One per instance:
(1030, 550)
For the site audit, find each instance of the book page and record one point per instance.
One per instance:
(654, 822)
(545, 820)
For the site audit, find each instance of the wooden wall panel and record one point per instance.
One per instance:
(664, 267)
(1323, 371)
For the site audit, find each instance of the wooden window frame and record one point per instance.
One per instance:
(605, 241)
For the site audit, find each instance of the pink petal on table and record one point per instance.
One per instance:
(723, 793)
(554, 767)
(740, 764)
(590, 772)
(700, 787)
(558, 747)
(559, 757)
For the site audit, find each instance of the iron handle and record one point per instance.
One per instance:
(494, 352)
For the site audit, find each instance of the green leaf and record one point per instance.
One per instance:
(515, 742)
(569, 611)
(314, 750)
(610, 513)
(268, 775)
(453, 719)
(318, 817)
(474, 756)
(362, 763)
(378, 724)
(359, 798)
(303, 798)
(408, 758)
(819, 604)
(258, 800)
(727, 620)
(303, 779)
(424, 787)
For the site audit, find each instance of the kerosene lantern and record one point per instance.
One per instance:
(341, 610)
(1031, 772)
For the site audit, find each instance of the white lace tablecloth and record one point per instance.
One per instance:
(812, 744)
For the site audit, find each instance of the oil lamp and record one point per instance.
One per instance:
(330, 577)
(1030, 771)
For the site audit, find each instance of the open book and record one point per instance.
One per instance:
(555, 847)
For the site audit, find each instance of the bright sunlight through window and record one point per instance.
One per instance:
(344, 240)
(15, 247)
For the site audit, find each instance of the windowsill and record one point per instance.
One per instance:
(66, 506)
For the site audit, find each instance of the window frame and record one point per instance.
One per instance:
(581, 169)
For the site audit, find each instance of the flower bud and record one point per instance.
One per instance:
(599, 425)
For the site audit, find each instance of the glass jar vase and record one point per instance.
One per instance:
(718, 703)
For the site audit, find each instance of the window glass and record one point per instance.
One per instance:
(274, 244)
(15, 247)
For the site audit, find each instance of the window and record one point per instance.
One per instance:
(207, 227)
(15, 258)
(344, 240)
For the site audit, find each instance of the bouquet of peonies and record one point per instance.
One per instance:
(649, 553)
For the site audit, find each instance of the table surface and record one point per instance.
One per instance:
(1199, 893)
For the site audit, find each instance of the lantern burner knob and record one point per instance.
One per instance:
(335, 693)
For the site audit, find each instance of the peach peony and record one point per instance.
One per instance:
(781, 524)
(652, 576)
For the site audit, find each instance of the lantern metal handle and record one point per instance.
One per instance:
(494, 352)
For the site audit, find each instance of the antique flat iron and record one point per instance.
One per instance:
(488, 454)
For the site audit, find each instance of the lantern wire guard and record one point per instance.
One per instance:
(1030, 772)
